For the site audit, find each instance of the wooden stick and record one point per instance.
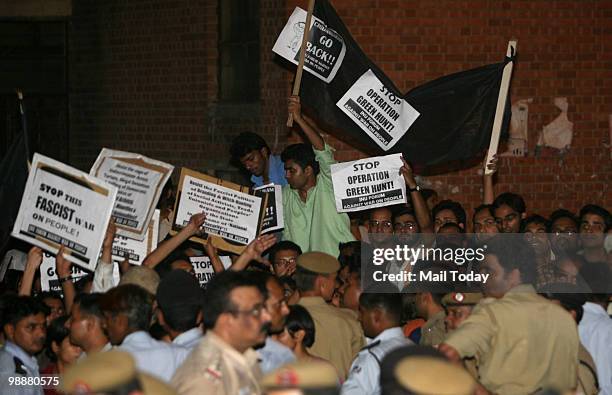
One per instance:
(298, 75)
(501, 105)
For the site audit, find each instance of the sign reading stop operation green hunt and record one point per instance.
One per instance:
(368, 183)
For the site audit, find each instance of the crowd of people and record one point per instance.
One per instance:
(297, 311)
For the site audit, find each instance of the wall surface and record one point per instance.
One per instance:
(143, 77)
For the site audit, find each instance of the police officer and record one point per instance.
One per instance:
(339, 336)
(26, 331)
(458, 306)
(302, 378)
(380, 311)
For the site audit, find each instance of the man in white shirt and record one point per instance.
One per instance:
(179, 298)
(127, 311)
(595, 330)
(380, 311)
(86, 325)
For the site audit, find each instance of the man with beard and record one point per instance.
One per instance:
(273, 354)
(509, 210)
(236, 318)
(25, 330)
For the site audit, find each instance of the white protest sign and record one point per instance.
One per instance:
(273, 215)
(377, 111)
(65, 206)
(139, 181)
(368, 183)
(230, 214)
(135, 250)
(48, 277)
(203, 267)
(325, 48)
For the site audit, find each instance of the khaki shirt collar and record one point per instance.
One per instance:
(522, 288)
(248, 358)
(312, 301)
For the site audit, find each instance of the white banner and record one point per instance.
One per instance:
(139, 181)
(204, 269)
(64, 206)
(273, 219)
(325, 48)
(48, 276)
(135, 250)
(230, 214)
(377, 111)
(368, 183)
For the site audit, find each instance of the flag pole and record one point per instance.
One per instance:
(298, 75)
(501, 105)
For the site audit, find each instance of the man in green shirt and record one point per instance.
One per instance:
(311, 219)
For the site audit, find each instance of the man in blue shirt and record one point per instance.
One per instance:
(251, 151)
(26, 331)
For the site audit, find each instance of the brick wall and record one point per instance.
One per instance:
(143, 77)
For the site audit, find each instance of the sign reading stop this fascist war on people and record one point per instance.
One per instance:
(368, 183)
(65, 206)
(136, 250)
(139, 181)
(204, 269)
(325, 48)
(230, 214)
(374, 107)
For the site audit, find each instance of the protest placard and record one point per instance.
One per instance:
(273, 219)
(139, 181)
(203, 267)
(48, 276)
(384, 116)
(325, 48)
(368, 183)
(232, 215)
(65, 206)
(136, 250)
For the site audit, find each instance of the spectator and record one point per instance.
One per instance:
(236, 320)
(86, 324)
(127, 311)
(484, 222)
(448, 211)
(595, 221)
(509, 211)
(299, 333)
(534, 229)
(59, 349)
(563, 229)
(283, 256)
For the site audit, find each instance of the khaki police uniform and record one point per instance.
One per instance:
(587, 373)
(434, 330)
(522, 343)
(216, 368)
(431, 375)
(306, 375)
(338, 335)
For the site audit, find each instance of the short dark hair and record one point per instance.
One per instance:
(513, 252)
(303, 155)
(20, 307)
(244, 143)
(512, 200)
(449, 225)
(165, 266)
(305, 279)
(403, 210)
(282, 246)
(89, 304)
(534, 219)
(300, 319)
(597, 210)
(56, 332)
(390, 302)
(182, 317)
(133, 301)
(453, 206)
(217, 297)
(562, 213)
(482, 207)
(49, 295)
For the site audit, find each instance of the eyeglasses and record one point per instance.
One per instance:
(255, 312)
(404, 226)
(565, 233)
(285, 261)
(377, 224)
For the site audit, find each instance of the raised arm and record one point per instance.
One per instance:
(488, 192)
(421, 211)
(310, 128)
(64, 274)
(253, 251)
(213, 254)
(168, 246)
(32, 264)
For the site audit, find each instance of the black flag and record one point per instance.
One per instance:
(456, 111)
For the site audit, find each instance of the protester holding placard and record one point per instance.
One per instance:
(250, 151)
(311, 219)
